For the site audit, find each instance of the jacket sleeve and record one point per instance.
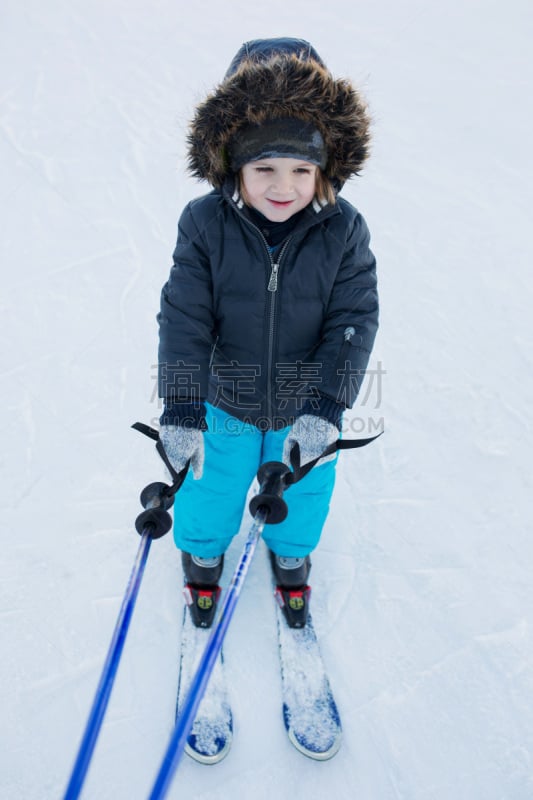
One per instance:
(186, 320)
(350, 325)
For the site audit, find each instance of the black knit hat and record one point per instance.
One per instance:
(278, 138)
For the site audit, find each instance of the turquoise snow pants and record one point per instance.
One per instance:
(208, 511)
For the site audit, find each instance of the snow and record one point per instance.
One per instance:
(423, 579)
(213, 721)
(309, 708)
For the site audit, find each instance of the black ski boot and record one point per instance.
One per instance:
(201, 587)
(292, 590)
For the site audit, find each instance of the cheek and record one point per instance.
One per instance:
(251, 186)
(310, 189)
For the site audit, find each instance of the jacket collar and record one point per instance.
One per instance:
(314, 214)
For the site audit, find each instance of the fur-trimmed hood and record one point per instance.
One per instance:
(272, 79)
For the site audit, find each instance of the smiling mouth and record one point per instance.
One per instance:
(280, 202)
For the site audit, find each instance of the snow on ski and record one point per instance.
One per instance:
(309, 710)
(211, 735)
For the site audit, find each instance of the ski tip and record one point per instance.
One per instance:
(316, 752)
(193, 750)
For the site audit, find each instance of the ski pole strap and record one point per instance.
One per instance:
(299, 471)
(177, 477)
(275, 476)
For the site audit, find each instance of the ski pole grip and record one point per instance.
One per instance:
(271, 477)
(155, 499)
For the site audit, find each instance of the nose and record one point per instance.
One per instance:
(282, 183)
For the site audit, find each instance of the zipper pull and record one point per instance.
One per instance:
(273, 282)
(349, 333)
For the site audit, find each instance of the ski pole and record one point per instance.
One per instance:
(267, 506)
(151, 524)
(105, 685)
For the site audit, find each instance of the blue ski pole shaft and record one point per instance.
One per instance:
(109, 672)
(207, 662)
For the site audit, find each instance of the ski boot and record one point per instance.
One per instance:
(201, 589)
(292, 591)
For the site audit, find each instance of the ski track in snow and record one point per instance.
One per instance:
(422, 589)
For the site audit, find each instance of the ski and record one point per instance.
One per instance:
(210, 738)
(310, 713)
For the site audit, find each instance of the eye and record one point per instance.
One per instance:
(303, 170)
(263, 169)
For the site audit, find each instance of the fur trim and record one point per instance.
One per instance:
(284, 85)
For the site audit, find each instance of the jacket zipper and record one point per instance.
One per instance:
(273, 288)
(347, 336)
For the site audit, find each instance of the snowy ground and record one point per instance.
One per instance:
(423, 580)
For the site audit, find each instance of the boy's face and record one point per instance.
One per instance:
(279, 187)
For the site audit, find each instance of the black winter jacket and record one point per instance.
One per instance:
(267, 339)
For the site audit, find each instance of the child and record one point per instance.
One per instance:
(269, 315)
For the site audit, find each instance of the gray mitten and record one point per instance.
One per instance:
(313, 434)
(182, 444)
